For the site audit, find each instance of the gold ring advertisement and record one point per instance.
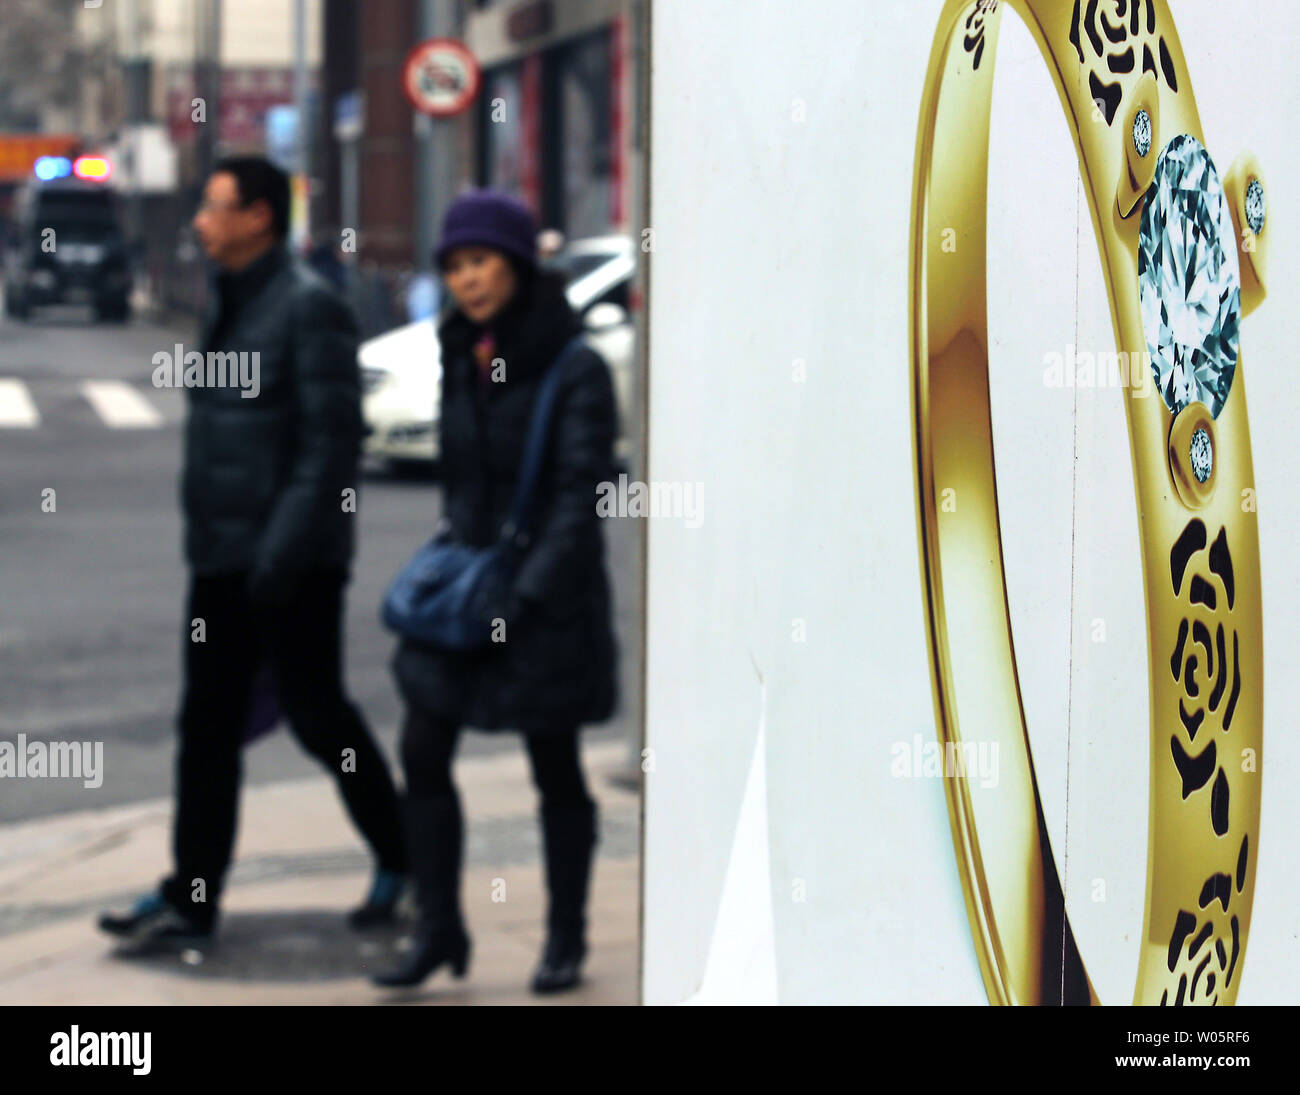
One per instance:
(1184, 250)
(982, 692)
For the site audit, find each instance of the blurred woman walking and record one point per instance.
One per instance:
(556, 669)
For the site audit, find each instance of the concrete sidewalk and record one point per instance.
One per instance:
(299, 867)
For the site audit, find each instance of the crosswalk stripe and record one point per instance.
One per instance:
(120, 405)
(17, 411)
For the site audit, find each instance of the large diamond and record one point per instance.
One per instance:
(1188, 278)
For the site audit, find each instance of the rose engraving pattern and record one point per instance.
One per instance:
(1119, 37)
(1205, 940)
(973, 40)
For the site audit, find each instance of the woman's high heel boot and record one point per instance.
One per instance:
(434, 835)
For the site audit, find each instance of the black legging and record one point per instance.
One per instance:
(429, 743)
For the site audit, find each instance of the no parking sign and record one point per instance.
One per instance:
(441, 77)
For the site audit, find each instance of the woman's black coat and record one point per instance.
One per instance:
(556, 668)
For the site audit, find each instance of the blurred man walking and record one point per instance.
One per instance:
(269, 503)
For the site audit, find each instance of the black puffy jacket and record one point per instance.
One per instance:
(264, 477)
(557, 668)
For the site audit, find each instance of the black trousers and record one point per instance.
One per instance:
(428, 745)
(302, 641)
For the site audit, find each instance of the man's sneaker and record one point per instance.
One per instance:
(154, 920)
(382, 903)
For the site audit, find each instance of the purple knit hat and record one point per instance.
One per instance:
(489, 218)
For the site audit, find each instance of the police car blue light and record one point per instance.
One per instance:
(48, 168)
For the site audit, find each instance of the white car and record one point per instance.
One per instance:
(400, 370)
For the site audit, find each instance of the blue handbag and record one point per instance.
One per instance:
(445, 596)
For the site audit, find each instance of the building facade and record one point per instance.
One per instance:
(556, 121)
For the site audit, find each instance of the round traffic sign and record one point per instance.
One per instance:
(441, 77)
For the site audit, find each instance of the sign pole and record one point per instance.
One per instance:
(441, 79)
(301, 227)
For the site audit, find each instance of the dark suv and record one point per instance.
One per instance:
(69, 249)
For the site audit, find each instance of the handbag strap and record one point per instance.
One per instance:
(519, 528)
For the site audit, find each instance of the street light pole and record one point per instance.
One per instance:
(209, 85)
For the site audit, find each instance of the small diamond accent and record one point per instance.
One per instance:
(1202, 454)
(1142, 133)
(1255, 206)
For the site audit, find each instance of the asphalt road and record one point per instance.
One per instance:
(92, 594)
